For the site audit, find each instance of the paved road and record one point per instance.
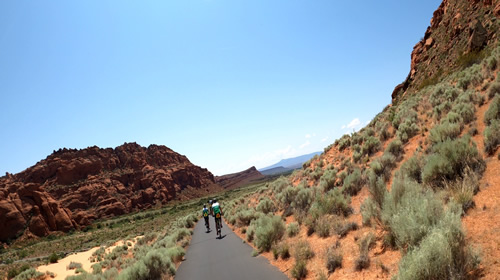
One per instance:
(223, 259)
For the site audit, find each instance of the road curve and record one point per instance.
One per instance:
(223, 259)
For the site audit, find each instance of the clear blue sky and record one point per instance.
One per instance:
(229, 84)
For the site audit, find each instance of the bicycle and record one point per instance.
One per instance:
(218, 225)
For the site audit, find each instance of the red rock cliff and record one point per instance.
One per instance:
(457, 28)
(70, 188)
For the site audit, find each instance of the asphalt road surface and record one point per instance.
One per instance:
(223, 259)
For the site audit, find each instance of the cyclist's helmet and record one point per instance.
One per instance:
(215, 200)
(204, 206)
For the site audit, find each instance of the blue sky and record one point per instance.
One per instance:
(229, 84)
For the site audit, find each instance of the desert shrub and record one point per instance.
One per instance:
(318, 172)
(377, 188)
(344, 142)
(284, 250)
(407, 130)
(356, 139)
(492, 63)
(449, 159)
(369, 210)
(353, 183)
(333, 259)
(279, 184)
(493, 112)
(287, 196)
(410, 212)
(494, 89)
(266, 205)
(412, 169)
(74, 265)
(363, 261)
(356, 156)
(466, 112)
(395, 148)
(310, 223)
(323, 226)
(473, 130)
(327, 181)
(492, 137)
(299, 270)
(147, 238)
(154, 265)
(383, 130)
(333, 202)
(269, 230)
(250, 233)
(179, 234)
(190, 220)
(176, 253)
(463, 190)
(342, 228)
(292, 229)
(370, 145)
(442, 254)
(383, 165)
(302, 251)
(303, 199)
(28, 274)
(53, 258)
(444, 131)
(96, 268)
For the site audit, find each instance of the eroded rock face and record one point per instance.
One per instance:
(457, 27)
(71, 188)
(235, 180)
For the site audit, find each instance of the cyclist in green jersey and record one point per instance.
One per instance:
(217, 212)
(206, 213)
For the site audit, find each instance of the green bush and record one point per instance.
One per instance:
(74, 265)
(303, 199)
(353, 183)
(269, 230)
(449, 159)
(28, 274)
(444, 131)
(370, 145)
(383, 166)
(53, 258)
(383, 131)
(342, 228)
(363, 261)
(333, 202)
(466, 112)
(395, 148)
(407, 130)
(327, 181)
(299, 270)
(284, 250)
(266, 205)
(344, 142)
(494, 89)
(279, 184)
(493, 112)
(492, 137)
(323, 226)
(292, 229)
(442, 254)
(303, 251)
(410, 212)
(412, 169)
(333, 259)
(155, 265)
(96, 268)
(369, 210)
(250, 232)
(377, 188)
(287, 196)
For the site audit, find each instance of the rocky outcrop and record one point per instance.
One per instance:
(235, 180)
(457, 28)
(71, 188)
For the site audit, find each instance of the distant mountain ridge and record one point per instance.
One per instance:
(287, 164)
(235, 180)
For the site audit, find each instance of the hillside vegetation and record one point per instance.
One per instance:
(387, 200)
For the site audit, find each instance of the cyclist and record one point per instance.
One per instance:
(205, 213)
(217, 212)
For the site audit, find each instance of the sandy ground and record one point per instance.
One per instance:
(60, 269)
